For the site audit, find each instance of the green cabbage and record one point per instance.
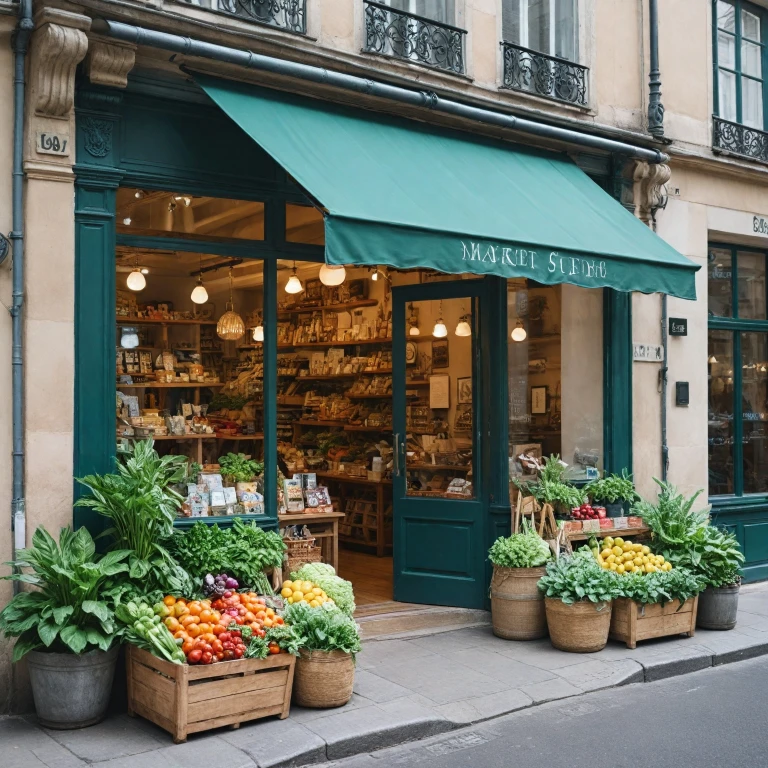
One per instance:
(323, 576)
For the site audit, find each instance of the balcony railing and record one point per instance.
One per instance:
(740, 139)
(283, 14)
(407, 36)
(542, 75)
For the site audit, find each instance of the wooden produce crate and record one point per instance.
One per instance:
(184, 698)
(632, 621)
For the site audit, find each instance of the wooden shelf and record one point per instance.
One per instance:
(328, 344)
(370, 397)
(363, 428)
(139, 349)
(162, 385)
(450, 467)
(381, 371)
(254, 436)
(622, 532)
(316, 423)
(251, 346)
(417, 383)
(328, 308)
(331, 377)
(180, 438)
(350, 479)
(149, 321)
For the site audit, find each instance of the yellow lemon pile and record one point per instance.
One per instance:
(304, 592)
(625, 557)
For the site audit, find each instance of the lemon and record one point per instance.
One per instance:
(618, 541)
(307, 586)
(620, 568)
(646, 560)
(646, 549)
(314, 604)
(606, 552)
(298, 596)
(288, 585)
(605, 565)
(286, 592)
(608, 540)
(317, 591)
(637, 547)
(649, 568)
(661, 559)
(611, 558)
(289, 600)
(617, 550)
(667, 567)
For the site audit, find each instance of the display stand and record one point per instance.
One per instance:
(324, 526)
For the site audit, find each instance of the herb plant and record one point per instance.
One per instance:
(239, 468)
(613, 488)
(520, 550)
(661, 586)
(326, 628)
(324, 576)
(67, 613)
(579, 578)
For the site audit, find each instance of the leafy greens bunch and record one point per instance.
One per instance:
(239, 467)
(686, 538)
(141, 504)
(661, 586)
(613, 488)
(67, 613)
(326, 628)
(520, 550)
(324, 576)
(579, 577)
(552, 488)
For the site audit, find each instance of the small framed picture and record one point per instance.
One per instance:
(464, 390)
(538, 400)
(440, 353)
(411, 352)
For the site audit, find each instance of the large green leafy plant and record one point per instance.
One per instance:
(141, 504)
(579, 578)
(551, 487)
(239, 468)
(686, 538)
(326, 628)
(70, 610)
(613, 488)
(520, 550)
(661, 586)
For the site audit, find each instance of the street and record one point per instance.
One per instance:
(708, 719)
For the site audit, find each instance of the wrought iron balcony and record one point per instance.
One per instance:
(407, 36)
(283, 14)
(542, 75)
(740, 139)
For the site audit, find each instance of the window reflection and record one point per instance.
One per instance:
(720, 416)
(754, 375)
(720, 269)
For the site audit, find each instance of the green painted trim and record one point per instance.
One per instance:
(496, 388)
(617, 380)
(270, 388)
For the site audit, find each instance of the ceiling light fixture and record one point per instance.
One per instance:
(518, 332)
(258, 332)
(199, 294)
(294, 284)
(711, 359)
(127, 221)
(138, 194)
(413, 322)
(230, 326)
(332, 275)
(136, 280)
(464, 328)
(375, 275)
(144, 271)
(440, 331)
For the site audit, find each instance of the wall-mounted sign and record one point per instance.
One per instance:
(647, 353)
(682, 393)
(678, 326)
(53, 144)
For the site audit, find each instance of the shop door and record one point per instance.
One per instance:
(438, 508)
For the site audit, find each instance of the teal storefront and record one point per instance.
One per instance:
(393, 193)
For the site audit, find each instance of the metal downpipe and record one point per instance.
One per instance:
(422, 99)
(18, 513)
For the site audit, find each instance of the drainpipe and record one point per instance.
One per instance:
(18, 515)
(422, 99)
(663, 387)
(655, 107)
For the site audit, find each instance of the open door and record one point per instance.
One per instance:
(438, 515)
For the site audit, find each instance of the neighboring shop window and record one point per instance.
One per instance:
(737, 363)
(546, 26)
(739, 62)
(555, 375)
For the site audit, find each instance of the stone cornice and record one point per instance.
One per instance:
(109, 61)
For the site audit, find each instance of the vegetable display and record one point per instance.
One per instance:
(303, 591)
(588, 512)
(71, 611)
(217, 585)
(146, 630)
(324, 576)
(239, 468)
(579, 577)
(626, 558)
(613, 488)
(520, 550)
(661, 586)
(326, 628)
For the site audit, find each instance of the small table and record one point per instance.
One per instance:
(324, 527)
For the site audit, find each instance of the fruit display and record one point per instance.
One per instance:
(587, 512)
(218, 585)
(304, 592)
(624, 556)
(145, 629)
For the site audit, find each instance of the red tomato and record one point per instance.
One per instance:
(279, 620)
(207, 657)
(239, 620)
(225, 636)
(274, 648)
(239, 652)
(261, 633)
(188, 646)
(229, 654)
(217, 646)
(194, 656)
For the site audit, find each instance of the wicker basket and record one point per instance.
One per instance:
(323, 679)
(517, 605)
(579, 628)
(300, 552)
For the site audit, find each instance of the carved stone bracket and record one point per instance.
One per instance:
(650, 180)
(109, 62)
(59, 44)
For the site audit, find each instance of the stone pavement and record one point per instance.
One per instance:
(406, 688)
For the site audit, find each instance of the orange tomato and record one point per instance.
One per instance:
(205, 627)
(269, 623)
(261, 615)
(189, 619)
(180, 609)
(255, 626)
(279, 620)
(217, 646)
(206, 614)
(216, 615)
(205, 603)
(270, 612)
(195, 608)
(187, 646)
(193, 630)
(218, 629)
(173, 624)
(209, 637)
(249, 617)
(181, 633)
(169, 600)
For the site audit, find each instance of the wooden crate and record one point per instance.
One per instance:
(632, 621)
(184, 699)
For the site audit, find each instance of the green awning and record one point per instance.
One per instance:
(404, 194)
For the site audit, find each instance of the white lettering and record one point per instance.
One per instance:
(506, 258)
(552, 266)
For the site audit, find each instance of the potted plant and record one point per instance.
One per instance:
(328, 640)
(614, 492)
(66, 628)
(578, 598)
(238, 470)
(686, 538)
(517, 605)
(552, 488)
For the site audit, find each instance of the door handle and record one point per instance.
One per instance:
(396, 458)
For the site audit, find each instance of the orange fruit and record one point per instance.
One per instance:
(169, 600)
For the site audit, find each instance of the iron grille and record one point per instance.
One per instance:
(404, 35)
(283, 14)
(740, 139)
(548, 76)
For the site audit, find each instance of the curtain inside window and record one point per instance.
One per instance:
(548, 26)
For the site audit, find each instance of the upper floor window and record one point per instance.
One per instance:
(436, 10)
(545, 26)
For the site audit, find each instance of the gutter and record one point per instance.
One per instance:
(18, 503)
(423, 99)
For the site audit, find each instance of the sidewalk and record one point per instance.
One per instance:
(406, 688)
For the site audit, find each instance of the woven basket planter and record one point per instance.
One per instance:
(323, 679)
(579, 628)
(517, 605)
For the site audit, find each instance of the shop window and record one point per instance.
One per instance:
(737, 364)
(555, 375)
(544, 26)
(193, 217)
(304, 224)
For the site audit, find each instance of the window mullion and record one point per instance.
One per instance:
(737, 59)
(738, 418)
(552, 32)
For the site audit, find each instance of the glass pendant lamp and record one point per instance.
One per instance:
(332, 275)
(294, 284)
(440, 331)
(136, 280)
(230, 326)
(519, 332)
(199, 294)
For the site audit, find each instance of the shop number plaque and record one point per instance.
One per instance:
(678, 326)
(53, 144)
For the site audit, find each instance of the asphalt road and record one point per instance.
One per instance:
(715, 718)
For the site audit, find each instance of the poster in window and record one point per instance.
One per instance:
(538, 400)
(440, 353)
(464, 390)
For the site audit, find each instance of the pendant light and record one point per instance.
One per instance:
(375, 275)
(711, 359)
(440, 331)
(413, 322)
(464, 328)
(258, 330)
(332, 275)
(230, 326)
(294, 284)
(136, 280)
(199, 294)
(519, 332)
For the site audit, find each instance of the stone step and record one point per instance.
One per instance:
(385, 621)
